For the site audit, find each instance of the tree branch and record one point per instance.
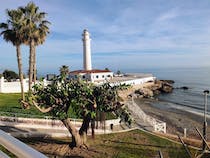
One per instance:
(25, 104)
(43, 110)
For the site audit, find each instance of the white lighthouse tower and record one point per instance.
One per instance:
(89, 74)
(86, 51)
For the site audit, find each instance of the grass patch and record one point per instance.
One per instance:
(9, 99)
(138, 144)
(134, 144)
(7, 152)
(10, 106)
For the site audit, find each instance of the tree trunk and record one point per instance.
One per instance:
(19, 61)
(32, 48)
(77, 139)
(84, 128)
(93, 128)
(34, 66)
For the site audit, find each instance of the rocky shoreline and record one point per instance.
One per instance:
(176, 119)
(159, 86)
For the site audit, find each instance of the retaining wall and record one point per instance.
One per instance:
(44, 123)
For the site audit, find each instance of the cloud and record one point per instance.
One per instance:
(132, 32)
(169, 15)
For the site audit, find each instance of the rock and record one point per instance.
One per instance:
(156, 92)
(148, 93)
(158, 87)
(162, 86)
(167, 89)
(184, 88)
(139, 91)
(168, 81)
(145, 93)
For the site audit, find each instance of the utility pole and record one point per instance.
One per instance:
(206, 92)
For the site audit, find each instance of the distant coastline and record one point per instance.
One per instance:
(183, 108)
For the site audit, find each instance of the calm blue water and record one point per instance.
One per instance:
(197, 79)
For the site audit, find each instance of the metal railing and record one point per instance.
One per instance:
(3, 155)
(17, 147)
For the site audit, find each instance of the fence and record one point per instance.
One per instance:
(14, 87)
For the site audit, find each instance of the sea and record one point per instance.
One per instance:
(193, 99)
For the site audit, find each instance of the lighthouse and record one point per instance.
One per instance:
(89, 74)
(86, 50)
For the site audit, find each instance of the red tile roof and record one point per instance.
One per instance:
(89, 71)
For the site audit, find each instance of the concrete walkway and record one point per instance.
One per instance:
(138, 116)
(144, 121)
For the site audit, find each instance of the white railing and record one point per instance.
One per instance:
(158, 126)
(3, 155)
(17, 147)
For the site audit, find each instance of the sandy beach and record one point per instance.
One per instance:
(175, 119)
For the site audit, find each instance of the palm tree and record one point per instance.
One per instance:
(36, 31)
(13, 32)
(64, 71)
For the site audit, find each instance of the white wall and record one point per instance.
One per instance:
(92, 76)
(136, 81)
(101, 76)
(14, 87)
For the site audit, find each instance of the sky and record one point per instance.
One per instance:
(128, 35)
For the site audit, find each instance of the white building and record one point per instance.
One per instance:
(89, 74)
(95, 76)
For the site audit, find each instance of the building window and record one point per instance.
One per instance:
(83, 76)
(108, 76)
(96, 76)
(75, 76)
(102, 76)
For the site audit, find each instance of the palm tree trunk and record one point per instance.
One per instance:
(19, 61)
(31, 57)
(34, 66)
